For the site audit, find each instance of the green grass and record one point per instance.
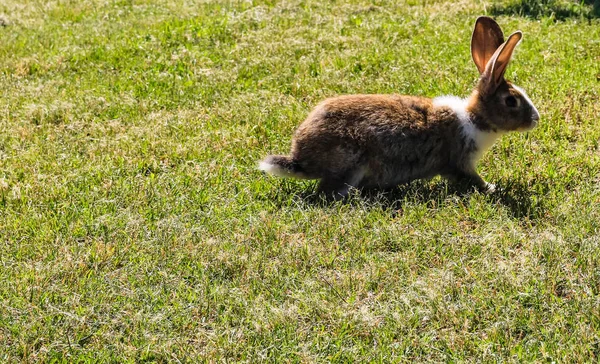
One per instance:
(135, 227)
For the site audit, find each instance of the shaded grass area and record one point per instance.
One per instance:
(553, 9)
(135, 227)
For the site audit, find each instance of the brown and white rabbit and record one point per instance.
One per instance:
(384, 140)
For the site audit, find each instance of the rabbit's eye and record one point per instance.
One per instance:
(511, 101)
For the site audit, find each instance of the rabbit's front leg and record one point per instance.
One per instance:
(472, 178)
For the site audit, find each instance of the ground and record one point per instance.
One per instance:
(134, 225)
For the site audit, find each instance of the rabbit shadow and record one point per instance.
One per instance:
(559, 10)
(522, 201)
(390, 198)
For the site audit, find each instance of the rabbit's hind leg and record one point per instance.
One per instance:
(339, 185)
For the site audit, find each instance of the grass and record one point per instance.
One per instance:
(556, 9)
(135, 227)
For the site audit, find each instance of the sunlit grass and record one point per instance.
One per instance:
(134, 225)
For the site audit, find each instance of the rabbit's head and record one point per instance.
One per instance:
(498, 103)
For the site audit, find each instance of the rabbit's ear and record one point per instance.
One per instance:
(487, 37)
(500, 59)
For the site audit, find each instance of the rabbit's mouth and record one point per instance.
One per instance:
(532, 124)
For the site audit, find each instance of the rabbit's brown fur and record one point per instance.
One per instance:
(352, 139)
(383, 140)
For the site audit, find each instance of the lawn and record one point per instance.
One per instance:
(134, 225)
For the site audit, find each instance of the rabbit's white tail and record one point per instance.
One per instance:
(281, 166)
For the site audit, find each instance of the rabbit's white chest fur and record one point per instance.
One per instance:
(483, 140)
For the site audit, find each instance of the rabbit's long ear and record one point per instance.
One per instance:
(497, 64)
(487, 37)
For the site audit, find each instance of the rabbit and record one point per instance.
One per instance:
(380, 141)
